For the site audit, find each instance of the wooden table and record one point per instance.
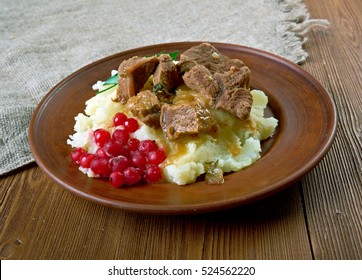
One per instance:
(320, 217)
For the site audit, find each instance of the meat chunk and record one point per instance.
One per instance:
(204, 54)
(133, 74)
(207, 55)
(200, 79)
(225, 80)
(236, 101)
(146, 106)
(228, 63)
(234, 78)
(185, 118)
(166, 77)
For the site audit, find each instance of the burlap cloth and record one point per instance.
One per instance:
(42, 42)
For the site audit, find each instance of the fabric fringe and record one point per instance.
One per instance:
(298, 24)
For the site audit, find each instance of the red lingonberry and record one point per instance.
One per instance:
(153, 174)
(114, 148)
(117, 179)
(138, 160)
(101, 153)
(121, 135)
(119, 119)
(132, 175)
(76, 154)
(86, 159)
(101, 136)
(133, 144)
(101, 167)
(146, 146)
(131, 125)
(119, 163)
(156, 157)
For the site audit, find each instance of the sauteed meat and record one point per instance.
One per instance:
(146, 106)
(237, 102)
(133, 74)
(204, 54)
(166, 77)
(215, 80)
(185, 118)
(234, 78)
(200, 79)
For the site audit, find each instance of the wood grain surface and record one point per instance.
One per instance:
(332, 192)
(320, 217)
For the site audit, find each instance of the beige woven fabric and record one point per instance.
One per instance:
(41, 42)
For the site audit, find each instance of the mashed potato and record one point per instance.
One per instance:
(233, 147)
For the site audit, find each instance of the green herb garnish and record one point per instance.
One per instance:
(158, 87)
(103, 90)
(112, 80)
(174, 54)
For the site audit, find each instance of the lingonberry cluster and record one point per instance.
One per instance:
(122, 159)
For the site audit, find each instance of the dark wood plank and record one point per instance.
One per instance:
(270, 229)
(40, 220)
(333, 191)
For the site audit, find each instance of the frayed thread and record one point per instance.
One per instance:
(296, 25)
(303, 28)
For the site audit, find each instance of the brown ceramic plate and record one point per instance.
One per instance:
(307, 124)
